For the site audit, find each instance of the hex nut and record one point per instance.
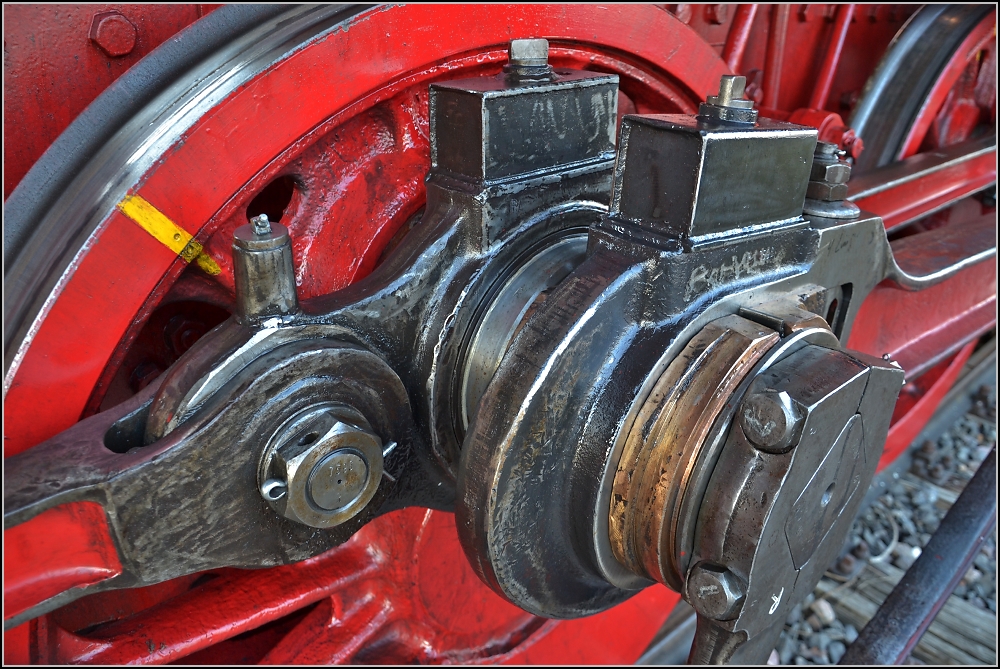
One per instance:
(113, 33)
(829, 172)
(818, 190)
(322, 467)
(715, 592)
(770, 421)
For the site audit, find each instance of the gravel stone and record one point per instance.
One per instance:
(836, 651)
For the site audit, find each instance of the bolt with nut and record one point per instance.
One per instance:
(715, 592)
(322, 467)
(827, 189)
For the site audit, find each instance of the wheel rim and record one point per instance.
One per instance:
(204, 180)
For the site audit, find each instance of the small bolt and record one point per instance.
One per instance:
(261, 225)
(769, 421)
(715, 592)
(729, 106)
(529, 52)
(731, 88)
(182, 332)
(826, 192)
(113, 33)
(528, 60)
(144, 374)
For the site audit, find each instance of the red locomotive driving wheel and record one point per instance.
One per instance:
(118, 259)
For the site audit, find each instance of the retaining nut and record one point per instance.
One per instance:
(830, 172)
(715, 592)
(818, 190)
(322, 467)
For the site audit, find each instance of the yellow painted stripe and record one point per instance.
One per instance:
(168, 233)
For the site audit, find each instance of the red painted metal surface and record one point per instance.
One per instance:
(66, 547)
(401, 590)
(739, 35)
(921, 196)
(69, 353)
(58, 58)
(836, 47)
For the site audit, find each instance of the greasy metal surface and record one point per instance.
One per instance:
(667, 184)
(910, 608)
(166, 522)
(263, 272)
(666, 441)
(776, 520)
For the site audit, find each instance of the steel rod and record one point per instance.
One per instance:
(775, 54)
(739, 35)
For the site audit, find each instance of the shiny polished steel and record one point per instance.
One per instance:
(513, 304)
(770, 420)
(716, 592)
(777, 522)
(729, 106)
(263, 272)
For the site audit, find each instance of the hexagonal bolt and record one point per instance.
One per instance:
(715, 592)
(831, 173)
(113, 33)
(182, 332)
(819, 190)
(770, 421)
(324, 468)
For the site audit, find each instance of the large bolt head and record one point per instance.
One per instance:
(322, 467)
(113, 33)
(715, 592)
(770, 421)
